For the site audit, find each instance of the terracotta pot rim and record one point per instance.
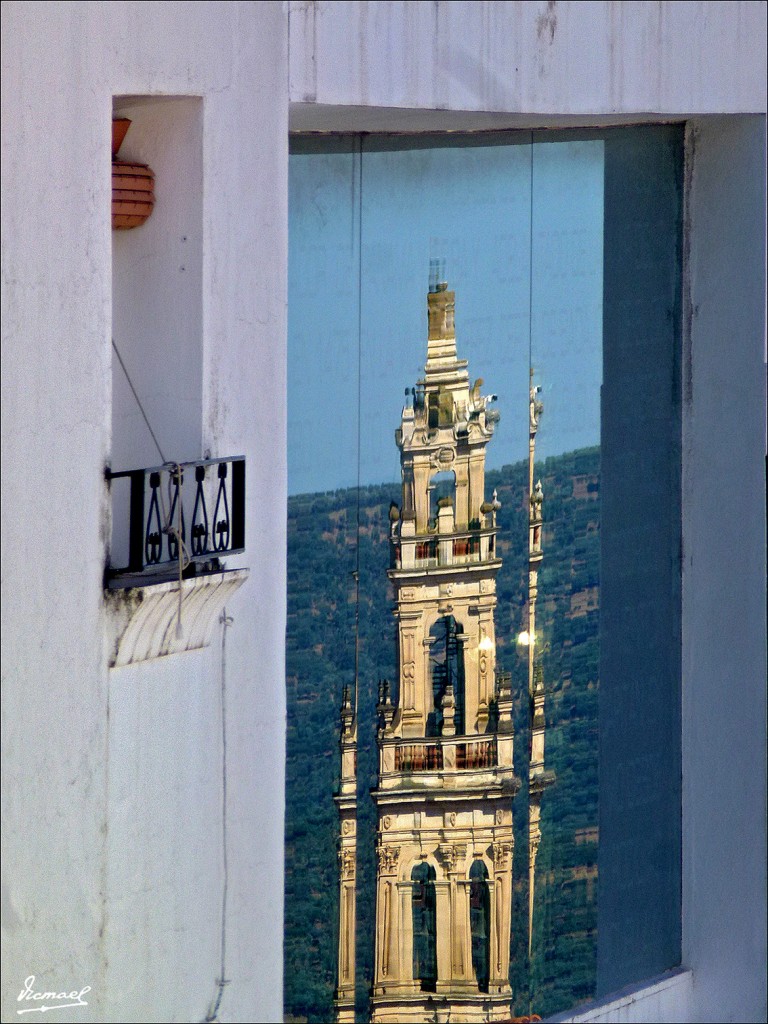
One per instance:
(133, 184)
(120, 126)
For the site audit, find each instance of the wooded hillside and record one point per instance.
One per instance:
(330, 536)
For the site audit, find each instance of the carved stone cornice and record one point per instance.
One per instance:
(540, 781)
(388, 858)
(347, 862)
(502, 854)
(452, 855)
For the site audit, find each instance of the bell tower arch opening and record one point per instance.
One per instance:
(446, 663)
(424, 913)
(442, 489)
(480, 922)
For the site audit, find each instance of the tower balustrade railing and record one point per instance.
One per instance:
(466, 548)
(446, 754)
(480, 753)
(418, 757)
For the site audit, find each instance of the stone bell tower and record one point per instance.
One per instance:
(446, 781)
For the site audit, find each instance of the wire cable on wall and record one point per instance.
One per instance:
(138, 401)
(174, 471)
(222, 980)
(226, 621)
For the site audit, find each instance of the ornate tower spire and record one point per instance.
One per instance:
(446, 782)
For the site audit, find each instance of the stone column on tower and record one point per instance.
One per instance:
(346, 802)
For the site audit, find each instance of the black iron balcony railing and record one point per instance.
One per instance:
(209, 495)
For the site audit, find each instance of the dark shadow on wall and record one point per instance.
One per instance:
(639, 888)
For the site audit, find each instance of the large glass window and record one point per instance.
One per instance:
(563, 252)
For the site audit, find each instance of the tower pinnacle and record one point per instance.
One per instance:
(538, 778)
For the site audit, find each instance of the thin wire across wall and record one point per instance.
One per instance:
(138, 401)
(222, 980)
(359, 404)
(359, 467)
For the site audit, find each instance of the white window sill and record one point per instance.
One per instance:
(144, 618)
(665, 999)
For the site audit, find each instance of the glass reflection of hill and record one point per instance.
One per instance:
(322, 532)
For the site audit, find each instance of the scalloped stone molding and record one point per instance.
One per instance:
(144, 618)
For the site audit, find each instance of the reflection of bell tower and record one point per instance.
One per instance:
(446, 782)
(538, 777)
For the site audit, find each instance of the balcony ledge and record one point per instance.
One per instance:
(143, 618)
(664, 998)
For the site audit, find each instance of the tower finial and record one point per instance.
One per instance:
(437, 281)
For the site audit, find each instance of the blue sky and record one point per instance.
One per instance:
(520, 228)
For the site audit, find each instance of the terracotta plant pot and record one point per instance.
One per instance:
(120, 126)
(133, 185)
(132, 194)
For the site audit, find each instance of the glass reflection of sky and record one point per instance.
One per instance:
(472, 204)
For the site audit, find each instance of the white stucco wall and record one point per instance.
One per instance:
(98, 890)
(112, 800)
(468, 66)
(724, 572)
(547, 59)
(55, 417)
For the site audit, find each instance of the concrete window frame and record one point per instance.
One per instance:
(723, 646)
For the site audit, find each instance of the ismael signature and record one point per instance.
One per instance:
(57, 999)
